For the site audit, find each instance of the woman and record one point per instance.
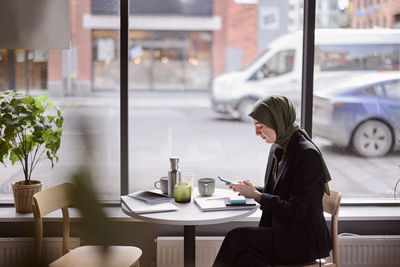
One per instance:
(292, 228)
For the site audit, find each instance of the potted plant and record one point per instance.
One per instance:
(29, 133)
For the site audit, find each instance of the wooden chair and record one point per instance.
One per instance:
(330, 205)
(60, 197)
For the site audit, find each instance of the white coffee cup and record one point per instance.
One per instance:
(206, 186)
(162, 184)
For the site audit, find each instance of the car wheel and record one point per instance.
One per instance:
(372, 139)
(244, 108)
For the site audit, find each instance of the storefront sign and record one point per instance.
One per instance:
(40, 55)
(367, 11)
(105, 49)
(269, 18)
(20, 57)
(135, 52)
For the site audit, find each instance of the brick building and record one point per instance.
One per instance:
(375, 13)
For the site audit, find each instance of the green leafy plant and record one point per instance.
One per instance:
(28, 134)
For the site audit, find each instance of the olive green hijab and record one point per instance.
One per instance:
(277, 112)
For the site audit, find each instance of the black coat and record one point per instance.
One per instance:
(293, 208)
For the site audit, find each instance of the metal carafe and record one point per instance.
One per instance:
(174, 175)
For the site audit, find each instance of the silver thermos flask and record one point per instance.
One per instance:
(174, 175)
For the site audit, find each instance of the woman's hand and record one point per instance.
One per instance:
(247, 190)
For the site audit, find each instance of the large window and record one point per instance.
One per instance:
(189, 91)
(356, 56)
(356, 106)
(66, 76)
(105, 60)
(279, 64)
(183, 122)
(26, 69)
(158, 60)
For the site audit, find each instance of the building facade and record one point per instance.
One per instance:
(375, 13)
(176, 45)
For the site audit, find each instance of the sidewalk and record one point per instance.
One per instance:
(138, 99)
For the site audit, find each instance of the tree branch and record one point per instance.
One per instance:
(33, 159)
(22, 139)
(20, 159)
(18, 152)
(38, 160)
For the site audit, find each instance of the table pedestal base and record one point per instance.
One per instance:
(189, 242)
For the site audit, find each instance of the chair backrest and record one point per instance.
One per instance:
(49, 200)
(331, 205)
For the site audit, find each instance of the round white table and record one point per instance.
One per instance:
(189, 215)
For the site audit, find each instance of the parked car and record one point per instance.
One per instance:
(338, 53)
(362, 113)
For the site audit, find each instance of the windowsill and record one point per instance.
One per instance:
(369, 202)
(346, 213)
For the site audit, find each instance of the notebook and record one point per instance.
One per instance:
(150, 196)
(139, 207)
(222, 203)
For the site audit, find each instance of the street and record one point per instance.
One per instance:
(207, 144)
(210, 146)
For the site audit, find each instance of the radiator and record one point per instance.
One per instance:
(17, 251)
(170, 250)
(369, 251)
(354, 251)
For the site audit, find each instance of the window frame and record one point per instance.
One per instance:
(306, 90)
(124, 96)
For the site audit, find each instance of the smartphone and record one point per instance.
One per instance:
(225, 181)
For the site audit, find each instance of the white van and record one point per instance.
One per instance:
(339, 53)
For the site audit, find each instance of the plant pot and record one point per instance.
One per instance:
(23, 194)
